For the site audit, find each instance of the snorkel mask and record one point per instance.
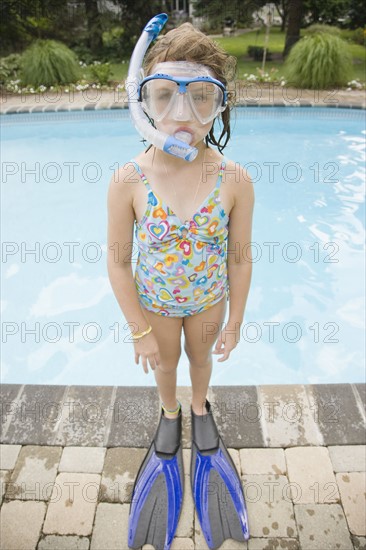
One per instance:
(178, 90)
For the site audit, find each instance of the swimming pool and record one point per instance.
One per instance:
(304, 318)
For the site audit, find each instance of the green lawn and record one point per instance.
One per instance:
(238, 45)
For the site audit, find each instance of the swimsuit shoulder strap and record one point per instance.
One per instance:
(141, 174)
(221, 171)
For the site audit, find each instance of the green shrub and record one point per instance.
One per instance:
(49, 63)
(84, 54)
(358, 36)
(101, 73)
(317, 27)
(114, 43)
(256, 52)
(9, 66)
(319, 61)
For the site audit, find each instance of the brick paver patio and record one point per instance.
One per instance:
(69, 456)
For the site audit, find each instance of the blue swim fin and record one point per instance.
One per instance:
(216, 486)
(157, 495)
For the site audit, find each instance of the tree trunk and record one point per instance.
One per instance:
(294, 24)
(282, 8)
(94, 26)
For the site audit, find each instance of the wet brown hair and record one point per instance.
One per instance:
(185, 43)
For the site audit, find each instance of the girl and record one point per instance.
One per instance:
(193, 229)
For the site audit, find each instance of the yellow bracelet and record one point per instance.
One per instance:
(139, 335)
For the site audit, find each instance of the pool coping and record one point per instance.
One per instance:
(252, 416)
(247, 95)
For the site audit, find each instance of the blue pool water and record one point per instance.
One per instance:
(61, 323)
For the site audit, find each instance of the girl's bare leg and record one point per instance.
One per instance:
(201, 332)
(167, 331)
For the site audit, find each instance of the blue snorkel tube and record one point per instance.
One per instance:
(161, 140)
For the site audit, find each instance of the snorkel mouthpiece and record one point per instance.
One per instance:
(183, 136)
(170, 144)
(174, 147)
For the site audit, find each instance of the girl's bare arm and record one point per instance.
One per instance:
(121, 253)
(239, 246)
(239, 260)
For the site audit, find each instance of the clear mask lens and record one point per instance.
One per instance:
(163, 98)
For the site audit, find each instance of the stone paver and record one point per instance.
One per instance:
(34, 473)
(322, 527)
(179, 543)
(273, 544)
(270, 509)
(120, 470)
(55, 542)
(246, 93)
(86, 416)
(237, 414)
(311, 474)
(9, 394)
(186, 461)
(8, 456)
(232, 544)
(185, 525)
(82, 459)
(73, 503)
(182, 544)
(4, 479)
(289, 421)
(262, 461)
(359, 543)
(361, 390)
(352, 487)
(111, 527)
(20, 524)
(184, 395)
(348, 458)
(338, 414)
(134, 417)
(236, 458)
(33, 415)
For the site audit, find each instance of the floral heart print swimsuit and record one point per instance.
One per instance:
(181, 269)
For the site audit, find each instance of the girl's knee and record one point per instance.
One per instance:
(200, 360)
(168, 367)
